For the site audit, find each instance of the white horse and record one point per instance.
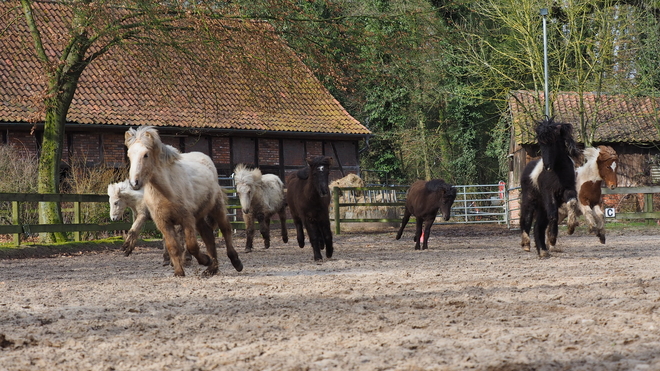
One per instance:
(121, 196)
(180, 189)
(261, 197)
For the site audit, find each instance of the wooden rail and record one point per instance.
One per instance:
(17, 227)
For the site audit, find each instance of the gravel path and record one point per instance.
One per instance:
(474, 300)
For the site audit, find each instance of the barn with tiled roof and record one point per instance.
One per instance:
(261, 107)
(629, 124)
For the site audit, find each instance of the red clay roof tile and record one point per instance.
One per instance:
(274, 91)
(620, 118)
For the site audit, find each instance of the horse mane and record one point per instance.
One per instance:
(437, 185)
(548, 131)
(245, 175)
(313, 162)
(303, 173)
(607, 153)
(148, 136)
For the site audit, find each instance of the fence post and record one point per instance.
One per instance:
(648, 205)
(335, 201)
(76, 219)
(16, 220)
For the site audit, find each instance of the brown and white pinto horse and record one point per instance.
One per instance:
(599, 167)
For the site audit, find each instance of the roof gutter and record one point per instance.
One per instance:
(177, 130)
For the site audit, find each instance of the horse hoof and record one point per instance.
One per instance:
(526, 248)
(238, 265)
(210, 272)
(602, 238)
(179, 274)
(285, 239)
(248, 250)
(544, 254)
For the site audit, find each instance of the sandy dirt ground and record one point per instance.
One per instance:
(474, 300)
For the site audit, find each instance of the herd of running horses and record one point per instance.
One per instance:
(181, 194)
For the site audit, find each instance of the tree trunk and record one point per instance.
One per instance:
(52, 144)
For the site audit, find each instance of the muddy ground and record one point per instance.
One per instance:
(474, 300)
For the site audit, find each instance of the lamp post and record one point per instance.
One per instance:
(544, 13)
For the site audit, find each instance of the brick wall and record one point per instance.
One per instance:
(269, 152)
(114, 150)
(314, 148)
(86, 148)
(220, 150)
(23, 141)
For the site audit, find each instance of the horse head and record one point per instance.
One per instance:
(146, 152)
(117, 203)
(447, 195)
(246, 181)
(319, 170)
(556, 142)
(607, 162)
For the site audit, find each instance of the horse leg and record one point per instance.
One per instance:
(418, 232)
(206, 232)
(596, 220)
(427, 232)
(285, 233)
(526, 219)
(539, 234)
(327, 237)
(299, 231)
(264, 228)
(314, 239)
(132, 235)
(573, 213)
(225, 229)
(404, 221)
(249, 231)
(173, 248)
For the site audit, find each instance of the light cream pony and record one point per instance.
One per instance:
(261, 197)
(180, 189)
(121, 195)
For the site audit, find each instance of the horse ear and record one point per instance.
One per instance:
(129, 136)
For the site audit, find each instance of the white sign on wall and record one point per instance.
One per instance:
(610, 212)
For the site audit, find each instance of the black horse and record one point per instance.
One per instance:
(547, 183)
(308, 197)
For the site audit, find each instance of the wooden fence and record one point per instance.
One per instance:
(472, 214)
(18, 227)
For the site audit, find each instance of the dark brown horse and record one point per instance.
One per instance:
(423, 201)
(308, 197)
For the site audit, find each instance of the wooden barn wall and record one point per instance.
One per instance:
(633, 168)
(272, 155)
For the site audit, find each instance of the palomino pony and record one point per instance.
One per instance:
(121, 196)
(180, 189)
(547, 183)
(599, 167)
(308, 196)
(424, 199)
(261, 197)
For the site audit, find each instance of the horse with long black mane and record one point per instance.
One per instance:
(547, 183)
(424, 199)
(180, 189)
(261, 197)
(308, 197)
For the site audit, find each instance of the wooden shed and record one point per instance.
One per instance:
(264, 107)
(629, 124)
